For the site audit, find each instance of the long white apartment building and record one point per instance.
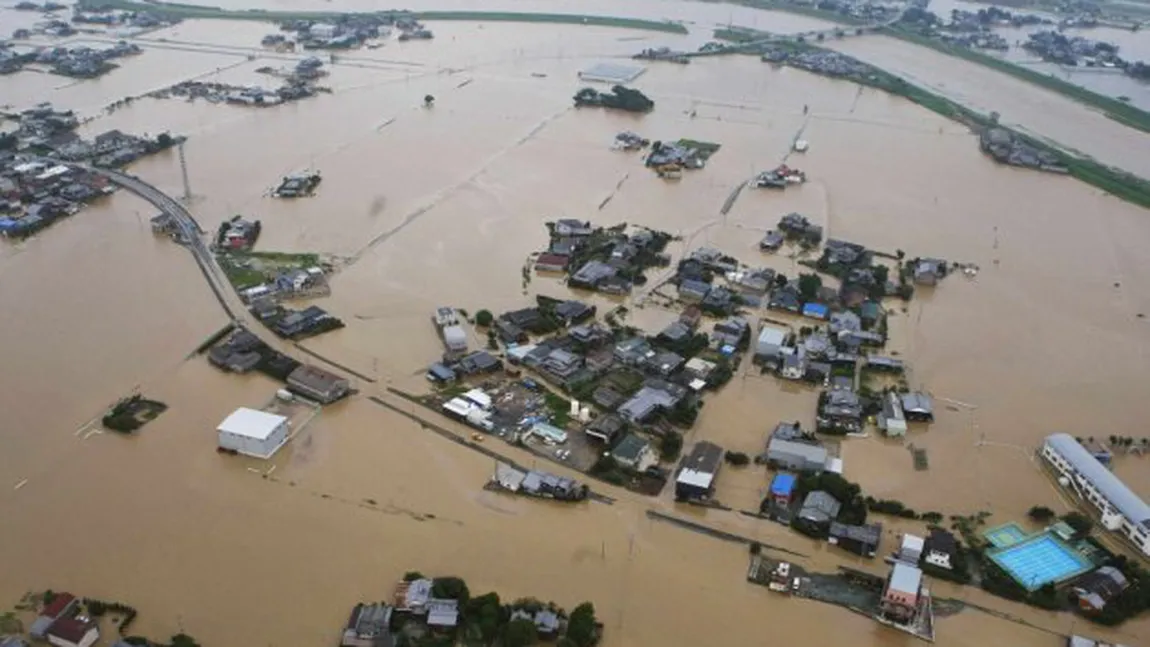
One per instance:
(1121, 510)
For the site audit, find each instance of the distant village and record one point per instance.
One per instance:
(40, 181)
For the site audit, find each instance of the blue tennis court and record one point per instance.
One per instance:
(1040, 560)
(1008, 534)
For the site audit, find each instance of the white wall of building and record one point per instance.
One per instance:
(253, 446)
(1112, 519)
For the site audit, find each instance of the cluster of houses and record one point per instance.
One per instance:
(349, 31)
(243, 352)
(605, 260)
(415, 612)
(35, 192)
(295, 87)
(84, 62)
(62, 622)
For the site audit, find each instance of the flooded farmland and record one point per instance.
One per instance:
(426, 207)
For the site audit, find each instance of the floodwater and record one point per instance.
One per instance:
(428, 207)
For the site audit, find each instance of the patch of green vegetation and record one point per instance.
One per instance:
(705, 149)
(560, 408)
(283, 258)
(131, 413)
(176, 10)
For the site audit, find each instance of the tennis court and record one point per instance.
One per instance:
(1008, 534)
(1040, 560)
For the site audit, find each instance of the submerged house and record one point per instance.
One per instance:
(861, 540)
(819, 510)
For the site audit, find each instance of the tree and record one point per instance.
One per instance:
(164, 140)
(1081, 524)
(484, 318)
(581, 625)
(412, 576)
(184, 640)
(671, 446)
(487, 614)
(450, 588)
(520, 632)
(1040, 513)
(780, 280)
(809, 285)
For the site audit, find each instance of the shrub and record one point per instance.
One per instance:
(1081, 524)
(671, 446)
(737, 459)
(484, 318)
(1040, 513)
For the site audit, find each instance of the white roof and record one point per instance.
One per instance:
(695, 477)
(772, 335)
(913, 543)
(478, 397)
(459, 406)
(251, 423)
(835, 465)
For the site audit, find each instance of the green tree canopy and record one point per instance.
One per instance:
(520, 633)
(581, 625)
(809, 285)
(484, 318)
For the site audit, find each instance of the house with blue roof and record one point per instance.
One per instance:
(783, 488)
(816, 311)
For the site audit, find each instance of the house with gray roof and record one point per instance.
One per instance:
(592, 275)
(819, 510)
(369, 626)
(918, 407)
(605, 428)
(664, 363)
(730, 332)
(655, 396)
(562, 363)
(634, 452)
(795, 456)
(691, 291)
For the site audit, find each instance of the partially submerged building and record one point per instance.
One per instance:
(368, 626)
(796, 455)
(819, 510)
(861, 540)
(901, 595)
(317, 384)
(696, 479)
(254, 433)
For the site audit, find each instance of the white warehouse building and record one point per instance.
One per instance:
(1122, 511)
(253, 433)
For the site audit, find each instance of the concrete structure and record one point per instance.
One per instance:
(320, 385)
(253, 433)
(901, 595)
(1121, 510)
(696, 479)
(1094, 590)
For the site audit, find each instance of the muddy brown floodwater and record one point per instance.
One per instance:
(442, 206)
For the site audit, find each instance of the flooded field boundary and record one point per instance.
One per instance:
(715, 533)
(463, 442)
(173, 10)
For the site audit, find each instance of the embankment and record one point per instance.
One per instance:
(186, 11)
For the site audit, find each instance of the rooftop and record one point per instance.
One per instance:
(905, 579)
(251, 423)
(1121, 497)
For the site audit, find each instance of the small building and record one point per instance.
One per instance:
(652, 398)
(548, 433)
(78, 631)
(551, 263)
(901, 594)
(793, 455)
(940, 549)
(771, 341)
(676, 332)
(315, 383)
(573, 227)
(892, 421)
(696, 479)
(412, 597)
(772, 241)
(860, 540)
(845, 321)
(573, 312)
(783, 489)
(928, 271)
(664, 363)
(918, 407)
(910, 551)
(634, 452)
(368, 626)
(605, 428)
(794, 365)
(442, 613)
(691, 291)
(254, 433)
(816, 311)
(819, 510)
(1094, 590)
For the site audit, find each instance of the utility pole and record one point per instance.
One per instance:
(184, 173)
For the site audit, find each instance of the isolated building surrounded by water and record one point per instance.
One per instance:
(254, 433)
